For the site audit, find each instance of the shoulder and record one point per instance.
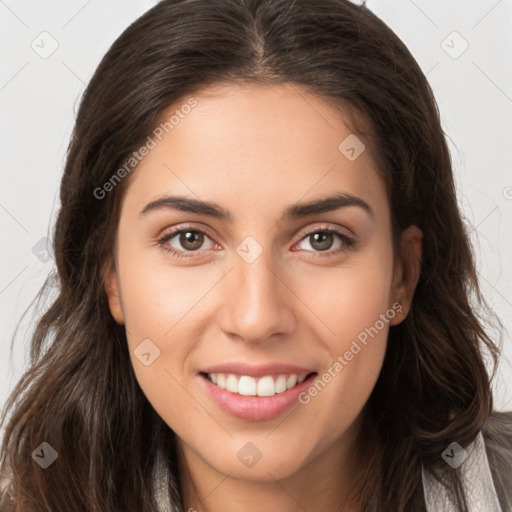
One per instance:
(497, 434)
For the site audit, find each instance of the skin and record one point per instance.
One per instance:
(254, 151)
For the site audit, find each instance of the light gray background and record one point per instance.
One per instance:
(39, 96)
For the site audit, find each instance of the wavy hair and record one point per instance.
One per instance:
(80, 393)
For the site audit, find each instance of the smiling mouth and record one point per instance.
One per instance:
(268, 385)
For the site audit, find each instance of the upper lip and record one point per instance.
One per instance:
(241, 368)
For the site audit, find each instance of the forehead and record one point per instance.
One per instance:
(274, 143)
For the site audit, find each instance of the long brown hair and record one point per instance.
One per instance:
(80, 394)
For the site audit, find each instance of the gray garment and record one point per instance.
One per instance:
(476, 480)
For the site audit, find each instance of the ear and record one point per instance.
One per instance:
(407, 271)
(112, 290)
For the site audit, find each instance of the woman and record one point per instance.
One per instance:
(315, 347)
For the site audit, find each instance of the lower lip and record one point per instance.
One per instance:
(255, 408)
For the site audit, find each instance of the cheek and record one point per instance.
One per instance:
(352, 303)
(158, 304)
(345, 300)
(158, 296)
(356, 354)
(157, 320)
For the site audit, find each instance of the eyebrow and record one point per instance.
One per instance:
(295, 211)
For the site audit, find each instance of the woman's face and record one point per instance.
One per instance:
(287, 303)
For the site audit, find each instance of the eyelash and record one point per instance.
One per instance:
(348, 242)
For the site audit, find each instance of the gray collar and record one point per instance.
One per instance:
(476, 480)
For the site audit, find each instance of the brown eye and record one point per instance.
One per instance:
(191, 240)
(327, 242)
(185, 240)
(321, 240)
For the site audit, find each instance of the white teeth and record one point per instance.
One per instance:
(232, 384)
(292, 380)
(281, 384)
(249, 386)
(266, 387)
(221, 380)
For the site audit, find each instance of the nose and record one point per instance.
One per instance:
(259, 305)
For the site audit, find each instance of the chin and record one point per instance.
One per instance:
(258, 460)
